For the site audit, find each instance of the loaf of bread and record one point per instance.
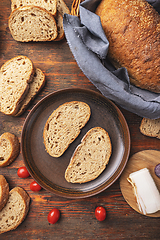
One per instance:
(15, 74)
(90, 157)
(4, 191)
(32, 23)
(9, 148)
(15, 210)
(133, 31)
(35, 86)
(50, 6)
(64, 125)
(150, 127)
(62, 7)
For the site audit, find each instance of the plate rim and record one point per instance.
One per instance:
(99, 189)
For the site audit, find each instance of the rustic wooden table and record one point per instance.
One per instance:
(77, 216)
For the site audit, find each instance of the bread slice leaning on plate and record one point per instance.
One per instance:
(90, 157)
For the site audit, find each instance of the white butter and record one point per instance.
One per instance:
(145, 190)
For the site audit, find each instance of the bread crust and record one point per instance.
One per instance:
(133, 31)
(13, 153)
(4, 191)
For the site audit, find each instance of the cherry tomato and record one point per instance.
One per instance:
(53, 216)
(100, 213)
(23, 172)
(34, 186)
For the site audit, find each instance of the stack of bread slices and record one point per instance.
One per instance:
(14, 206)
(20, 83)
(37, 20)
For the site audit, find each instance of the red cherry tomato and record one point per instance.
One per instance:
(53, 216)
(23, 172)
(34, 186)
(100, 213)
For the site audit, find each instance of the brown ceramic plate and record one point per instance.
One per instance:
(49, 171)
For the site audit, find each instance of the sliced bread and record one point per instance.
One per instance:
(37, 84)
(15, 74)
(59, 21)
(64, 125)
(31, 23)
(62, 7)
(15, 210)
(50, 6)
(90, 157)
(9, 148)
(4, 191)
(150, 127)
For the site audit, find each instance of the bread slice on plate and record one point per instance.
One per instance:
(150, 127)
(64, 125)
(4, 191)
(15, 210)
(31, 23)
(35, 87)
(50, 5)
(15, 75)
(9, 148)
(90, 157)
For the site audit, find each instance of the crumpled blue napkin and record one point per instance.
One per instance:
(89, 46)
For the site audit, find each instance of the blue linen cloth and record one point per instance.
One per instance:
(89, 46)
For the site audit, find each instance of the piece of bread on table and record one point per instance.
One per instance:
(90, 157)
(4, 191)
(59, 21)
(16, 74)
(35, 87)
(15, 210)
(9, 148)
(31, 23)
(62, 7)
(64, 125)
(50, 6)
(132, 29)
(150, 127)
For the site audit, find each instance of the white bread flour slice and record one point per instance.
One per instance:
(50, 6)
(64, 125)
(150, 127)
(15, 210)
(90, 157)
(35, 87)
(31, 23)
(9, 148)
(15, 74)
(4, 191)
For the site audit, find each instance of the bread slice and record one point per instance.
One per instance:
(50, 6)
(4, 191)
(9, 148)
(90, 157)
(15, 210)
(37, 84)
(64, 125)
(31, 23)
(15, 75)
(59, 22)
(150, 127)
(62, 7)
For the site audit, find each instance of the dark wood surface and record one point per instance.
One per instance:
(77, 216)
